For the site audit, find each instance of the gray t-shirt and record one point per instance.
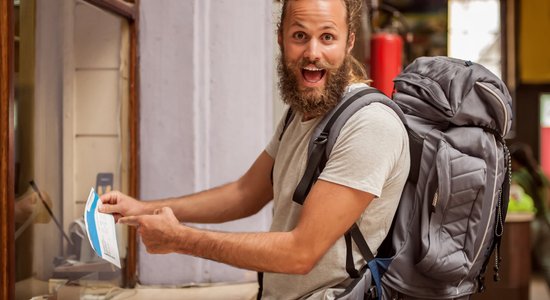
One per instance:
(371, 154)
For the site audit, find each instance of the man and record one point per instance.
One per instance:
(304, 253)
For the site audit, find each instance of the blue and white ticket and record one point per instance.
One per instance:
(101, 230)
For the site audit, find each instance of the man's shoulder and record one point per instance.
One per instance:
(377, 116)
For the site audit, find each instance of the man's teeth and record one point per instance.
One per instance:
(312, 69)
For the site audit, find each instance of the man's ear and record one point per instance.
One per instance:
(280, 38)
(351, 42)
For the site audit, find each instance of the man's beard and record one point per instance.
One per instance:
(311, 101)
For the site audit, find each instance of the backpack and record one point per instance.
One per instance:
(451, 213)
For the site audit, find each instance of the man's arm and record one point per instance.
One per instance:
(328, 212)
(231, 201)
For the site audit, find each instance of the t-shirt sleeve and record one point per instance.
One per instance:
(367, 149)
(273, 145)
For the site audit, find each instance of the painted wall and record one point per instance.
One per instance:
(206, 113)
(534, 25)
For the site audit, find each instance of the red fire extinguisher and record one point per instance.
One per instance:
(386, 60)
(387, 47)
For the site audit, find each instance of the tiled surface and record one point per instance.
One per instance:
(97, 101)
(94, 155)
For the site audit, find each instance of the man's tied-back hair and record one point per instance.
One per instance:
(353, 14)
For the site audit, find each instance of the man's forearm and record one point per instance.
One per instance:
(279, 252)
(217, 205)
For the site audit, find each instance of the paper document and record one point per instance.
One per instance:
(101, 230)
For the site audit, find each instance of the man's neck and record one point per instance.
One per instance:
(307, 117)
(349, 88)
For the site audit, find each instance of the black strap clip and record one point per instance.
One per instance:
(321, 139)
(372, 293)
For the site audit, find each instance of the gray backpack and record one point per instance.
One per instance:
(452, 210)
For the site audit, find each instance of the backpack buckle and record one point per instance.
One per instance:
(372, 293)
(321, 139)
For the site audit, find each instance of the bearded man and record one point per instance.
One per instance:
(303, 255)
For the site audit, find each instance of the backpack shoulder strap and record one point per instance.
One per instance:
(288, 118)
(321, 144)
(325, 134)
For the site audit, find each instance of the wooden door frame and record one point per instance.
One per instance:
(129, 11)
(7, 222)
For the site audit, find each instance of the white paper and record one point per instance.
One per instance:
(101, 230)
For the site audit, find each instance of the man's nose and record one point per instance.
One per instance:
(313, 51)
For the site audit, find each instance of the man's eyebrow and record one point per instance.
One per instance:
(297, 23)
(331, 25)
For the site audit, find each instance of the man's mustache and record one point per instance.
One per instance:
(306, 63)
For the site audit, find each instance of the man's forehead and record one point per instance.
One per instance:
(315, 3)
(332, 11)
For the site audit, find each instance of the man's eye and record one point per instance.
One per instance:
(299, 35)
(327, 37)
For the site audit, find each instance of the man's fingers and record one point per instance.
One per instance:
(110, 197)
(117, 217)
(107, 208)
(162, 211)
(131, 221)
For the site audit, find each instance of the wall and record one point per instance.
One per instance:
(534, 62)
(206, 112)
(533, 71)
(47, 132)
(478, 39)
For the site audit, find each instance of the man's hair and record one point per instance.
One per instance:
(353, 17)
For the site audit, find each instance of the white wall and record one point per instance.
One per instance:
(477, 39)
(206, 112)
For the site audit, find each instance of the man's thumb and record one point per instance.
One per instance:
(107, 208)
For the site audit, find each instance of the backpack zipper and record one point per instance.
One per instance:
(429, 91)
(435, 199)
(502, 104)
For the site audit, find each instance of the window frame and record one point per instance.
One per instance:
(129, 11)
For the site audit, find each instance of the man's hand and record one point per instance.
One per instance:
(159, 232)
(121, 205)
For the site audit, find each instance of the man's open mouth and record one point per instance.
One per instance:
(312, 74)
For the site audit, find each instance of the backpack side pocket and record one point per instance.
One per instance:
(455, 213)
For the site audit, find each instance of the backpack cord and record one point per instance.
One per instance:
(501, 213)
(502, 207)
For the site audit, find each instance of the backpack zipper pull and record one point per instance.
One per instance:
(434, 201)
